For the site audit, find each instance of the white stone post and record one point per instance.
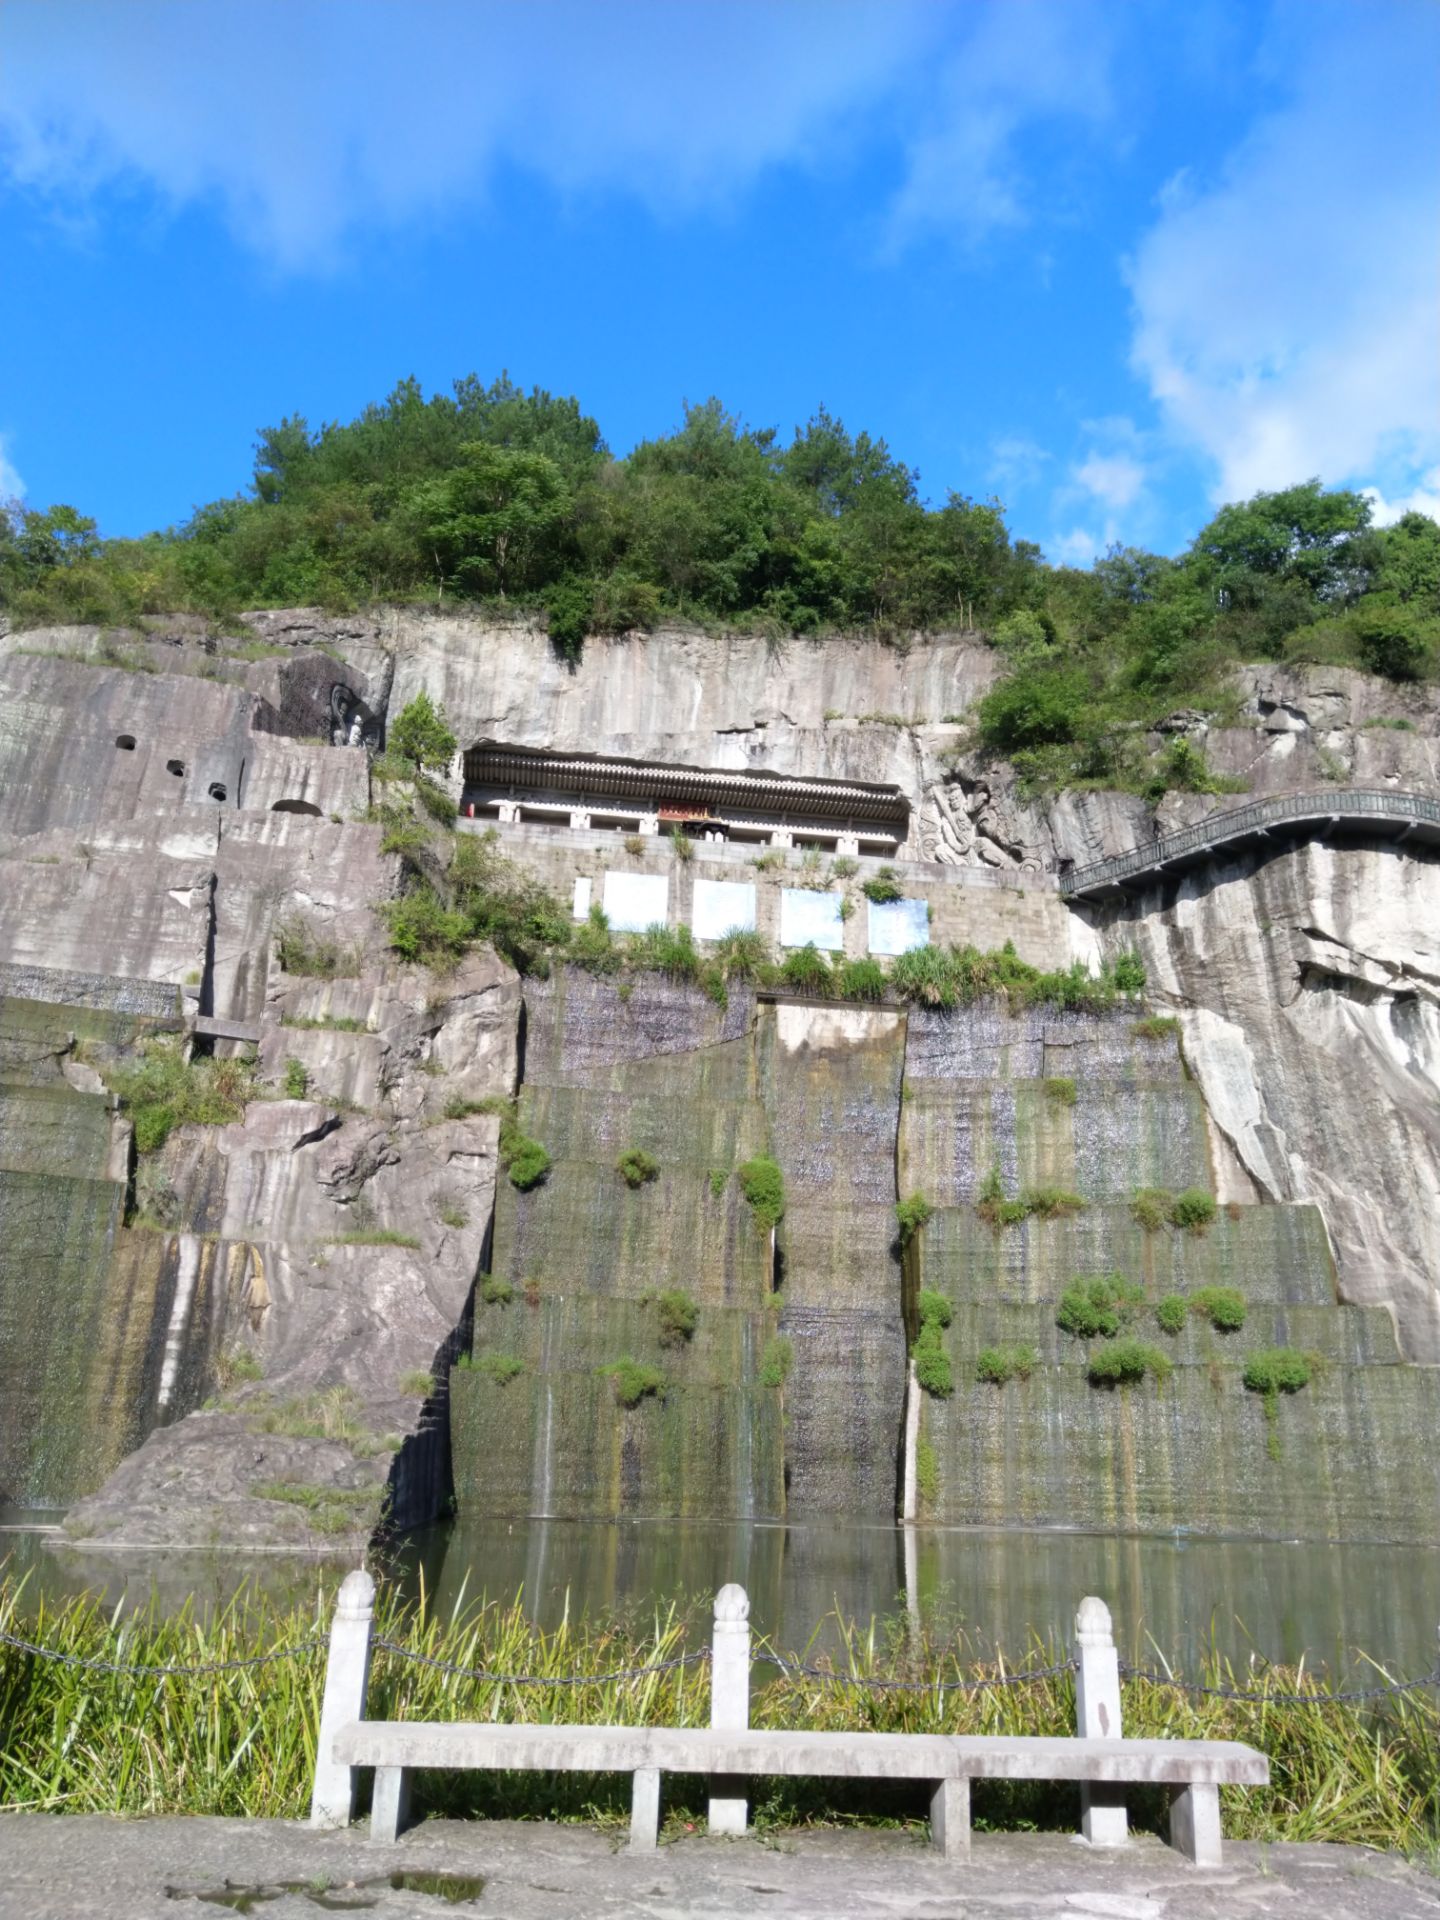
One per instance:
(730, 1697)
(1097, 1717)
(347, 1676)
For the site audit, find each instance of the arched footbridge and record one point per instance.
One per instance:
(1412, 817)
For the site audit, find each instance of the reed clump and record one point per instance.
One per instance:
(241, 1743)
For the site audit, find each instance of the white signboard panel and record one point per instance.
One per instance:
(722, 906)
(581, 909)
(896, 926)
(635, 901)
(811, 919)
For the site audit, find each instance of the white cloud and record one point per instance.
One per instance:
(1116, 479)
(1022, 62)
(1423, 498)
(1285, 315)
(305, 120)
(1017, 461)
(1077, 548)
(12, 487)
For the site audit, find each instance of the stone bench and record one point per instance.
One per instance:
(729, 1751)
(1193, 1770)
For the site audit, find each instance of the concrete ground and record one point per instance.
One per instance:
(94, 1868)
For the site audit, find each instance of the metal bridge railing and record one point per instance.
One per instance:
(1237, 823)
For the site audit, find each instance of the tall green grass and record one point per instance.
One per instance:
(242, 1743)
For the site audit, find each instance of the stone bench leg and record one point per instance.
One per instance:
(390, 1809)
(645, 1810)
(1104, 1821)
(1195, 1823)
(950, 1818)
(729, 1807)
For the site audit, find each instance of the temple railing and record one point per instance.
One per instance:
(1288, 813)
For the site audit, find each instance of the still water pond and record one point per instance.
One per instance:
(1276, 1598)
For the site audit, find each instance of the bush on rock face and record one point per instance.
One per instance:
(1172, 1313)
(1099, 1309)
(995, 1366)
(1274, 1370)
(637, 1167)
(679, 1316)
(1193, 1210)
(634, 1382)
(932, 1363)
(776, 1361)
(763, 1186)
(1223, 1307)
(1119, 1363)
(911, 1215)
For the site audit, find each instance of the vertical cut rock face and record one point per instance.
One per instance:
(857, 1106)
(159, 833)
(584, 1256)
(1308, 984)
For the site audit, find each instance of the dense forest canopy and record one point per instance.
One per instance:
(490, 494)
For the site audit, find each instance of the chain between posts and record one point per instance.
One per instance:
(672, 1665)
(305, 1648)
(795, 1668)
(1313, 1699)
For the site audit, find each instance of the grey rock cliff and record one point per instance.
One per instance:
(1308, 985)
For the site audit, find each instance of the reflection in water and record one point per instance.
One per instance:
(1277, 1598)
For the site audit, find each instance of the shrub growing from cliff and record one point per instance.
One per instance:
(1150, 1208)
(806, 970)
(860, 979)
(1052, 1203)
(776, 1361)
(995, 1366)
(958, 976)
(165, 1090)
(303, 949)
(1119, 1363)
(636, 1167)
(1193, 1210)
(911, 1215)
(1271, 1371)
(498, 1368)
(1275, 1370)
(592, 945)
(1099, 1308)
(994, 1206)
(1172, 1313)
(420, 734)
(524, 1159)
(932, 1363)
(1223, 1307)
(678, 1315)
(883, 887)
(634, 1382)
(424, 930)
(496, 1291)
(741, 953)
(668, 950)
(763, 1186)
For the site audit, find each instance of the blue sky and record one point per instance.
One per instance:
(1111, 262)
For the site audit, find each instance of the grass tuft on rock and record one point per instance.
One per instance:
(996, 1366)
